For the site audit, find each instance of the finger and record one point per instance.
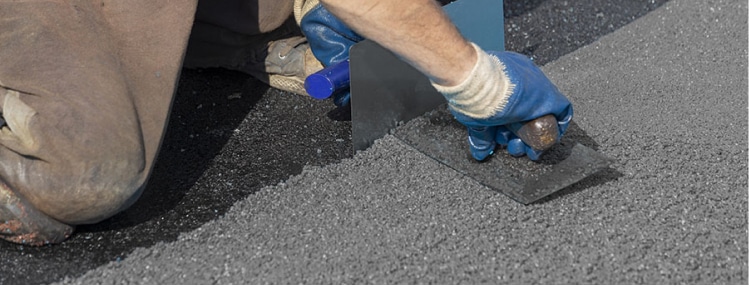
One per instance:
(564, 120)
(518, 148)
(504, 136)
(533, 154)
(481, 141)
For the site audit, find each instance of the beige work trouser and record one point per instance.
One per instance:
(85, 88)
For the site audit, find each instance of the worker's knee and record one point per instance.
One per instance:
(74, 159)
(90, 189)
(74, 91)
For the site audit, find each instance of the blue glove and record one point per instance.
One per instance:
(533, 96)
(330, 41)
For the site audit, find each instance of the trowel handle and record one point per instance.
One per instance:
(328, 81)
(540, 133)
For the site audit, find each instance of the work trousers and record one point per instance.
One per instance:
(85, 91)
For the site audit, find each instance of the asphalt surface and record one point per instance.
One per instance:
(671, 210)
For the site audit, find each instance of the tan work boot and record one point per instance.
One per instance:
(281, 58)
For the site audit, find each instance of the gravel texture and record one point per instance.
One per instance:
(665, 96)
(230, 136)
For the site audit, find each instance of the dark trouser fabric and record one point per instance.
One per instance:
(248, 17)
(236, 34)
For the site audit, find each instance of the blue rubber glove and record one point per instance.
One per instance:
(533, 96)
(330, 41)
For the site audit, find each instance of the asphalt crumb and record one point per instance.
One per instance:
(230, 135)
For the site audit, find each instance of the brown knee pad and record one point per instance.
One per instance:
(249, 17)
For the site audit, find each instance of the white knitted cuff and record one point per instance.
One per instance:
(484, 92)
(302, 7)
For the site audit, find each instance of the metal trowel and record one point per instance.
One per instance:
(387, 93)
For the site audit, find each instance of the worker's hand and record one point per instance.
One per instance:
(329, 39)
(503, 91)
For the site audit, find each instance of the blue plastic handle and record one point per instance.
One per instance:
(328, 81)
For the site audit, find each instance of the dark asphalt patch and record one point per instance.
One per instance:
(664, 97)
(205, 166)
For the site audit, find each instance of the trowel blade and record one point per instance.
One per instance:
(386, 91)
(438, 135)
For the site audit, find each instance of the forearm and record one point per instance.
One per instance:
(417, 31)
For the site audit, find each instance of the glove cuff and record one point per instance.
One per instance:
(484, 92)
(302, 7)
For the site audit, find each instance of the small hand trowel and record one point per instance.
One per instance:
(386, 92)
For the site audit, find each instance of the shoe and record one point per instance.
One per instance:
(281, 58)
(288, 63)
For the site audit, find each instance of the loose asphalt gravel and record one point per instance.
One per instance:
(665, 96)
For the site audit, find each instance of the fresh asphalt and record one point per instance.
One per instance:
(665, 96)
